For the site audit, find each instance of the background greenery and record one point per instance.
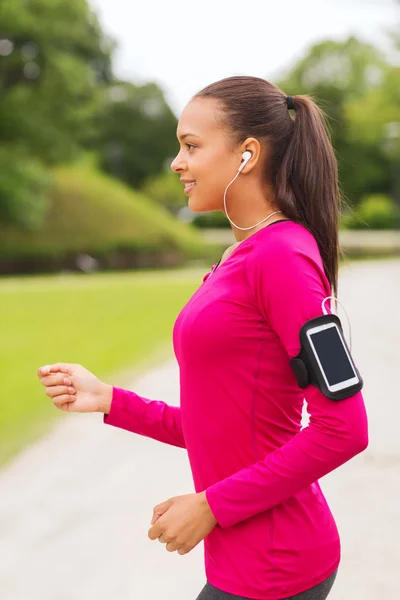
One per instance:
(85, 185)
(94, 215)
(60, 103)
(107, 322)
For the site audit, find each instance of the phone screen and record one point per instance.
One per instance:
(332, 355)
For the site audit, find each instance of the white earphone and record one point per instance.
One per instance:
(246, 156)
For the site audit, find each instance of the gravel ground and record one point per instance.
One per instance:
(75, 507)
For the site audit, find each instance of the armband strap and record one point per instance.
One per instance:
(306, 368)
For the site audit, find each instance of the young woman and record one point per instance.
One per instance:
(265, 160)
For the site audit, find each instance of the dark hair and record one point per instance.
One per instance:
(300, 164)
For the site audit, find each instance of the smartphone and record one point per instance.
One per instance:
(333, 358)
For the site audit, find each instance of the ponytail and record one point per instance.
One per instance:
(306, 182)
(300, 163)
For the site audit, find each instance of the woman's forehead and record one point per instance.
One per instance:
(199, 118)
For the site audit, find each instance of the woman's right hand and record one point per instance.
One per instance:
(73, 388)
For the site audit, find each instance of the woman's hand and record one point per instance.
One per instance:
(182, 522)
(73, 388)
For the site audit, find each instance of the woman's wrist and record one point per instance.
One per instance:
(106, 399)
(204, 500)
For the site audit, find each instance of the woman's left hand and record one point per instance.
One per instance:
(182, 522)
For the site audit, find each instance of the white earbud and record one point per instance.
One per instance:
(246, 157)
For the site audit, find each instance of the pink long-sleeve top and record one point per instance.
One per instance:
(240, 413)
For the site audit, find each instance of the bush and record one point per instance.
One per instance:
(24, 189)
(377, 211)
(211, 220)
(167, 190)
(93, 215)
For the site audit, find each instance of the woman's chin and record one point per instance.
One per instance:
(198, 205)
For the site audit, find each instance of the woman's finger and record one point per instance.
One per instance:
(154, 531)
(171, 546)
(58, 379)
(63, 402)
(56, 368)
(160, 509)
(155, 518)
(59, 390)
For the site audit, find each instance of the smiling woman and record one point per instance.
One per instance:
(217, 132)
(212, 141)
(268, 531)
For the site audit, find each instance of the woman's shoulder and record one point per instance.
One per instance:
(285, 256)
(284, 240)
(229, 251)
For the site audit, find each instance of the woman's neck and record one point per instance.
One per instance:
(240, 235)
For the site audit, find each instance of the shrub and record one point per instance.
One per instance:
(167, 190)
(24, 189)
(211, 220)
(93, 215)
(377, 211)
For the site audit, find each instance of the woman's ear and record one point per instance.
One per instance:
(254, 147)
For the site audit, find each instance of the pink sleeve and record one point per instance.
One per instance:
(289, 286)
(151, 418)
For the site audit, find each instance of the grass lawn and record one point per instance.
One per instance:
(111, 323)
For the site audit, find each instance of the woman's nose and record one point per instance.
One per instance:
(177, 164)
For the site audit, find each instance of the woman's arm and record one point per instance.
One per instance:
(151, 418)
(289, 287)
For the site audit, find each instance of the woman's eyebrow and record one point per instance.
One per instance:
(185, 135)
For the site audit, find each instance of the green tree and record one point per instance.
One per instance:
(54, 59)
(24, 185)
(341, 76)
(136, 132)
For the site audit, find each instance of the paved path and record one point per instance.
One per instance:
(75, 508)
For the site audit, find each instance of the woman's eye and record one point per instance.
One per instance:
(189, 146)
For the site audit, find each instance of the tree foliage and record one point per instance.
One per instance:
(24, 185)
(136, 132)
(54, 59)
(358, 89)
(48, 82)
(59, 99)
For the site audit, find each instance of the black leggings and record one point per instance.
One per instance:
(318, 592)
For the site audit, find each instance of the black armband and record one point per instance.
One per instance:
(324, 359)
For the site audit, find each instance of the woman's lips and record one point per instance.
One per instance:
(189, 187)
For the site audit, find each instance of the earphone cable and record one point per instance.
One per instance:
(347, 316)
(229, 219)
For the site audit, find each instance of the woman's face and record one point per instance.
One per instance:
(206, 155)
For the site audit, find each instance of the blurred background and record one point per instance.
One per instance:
(98, 249)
